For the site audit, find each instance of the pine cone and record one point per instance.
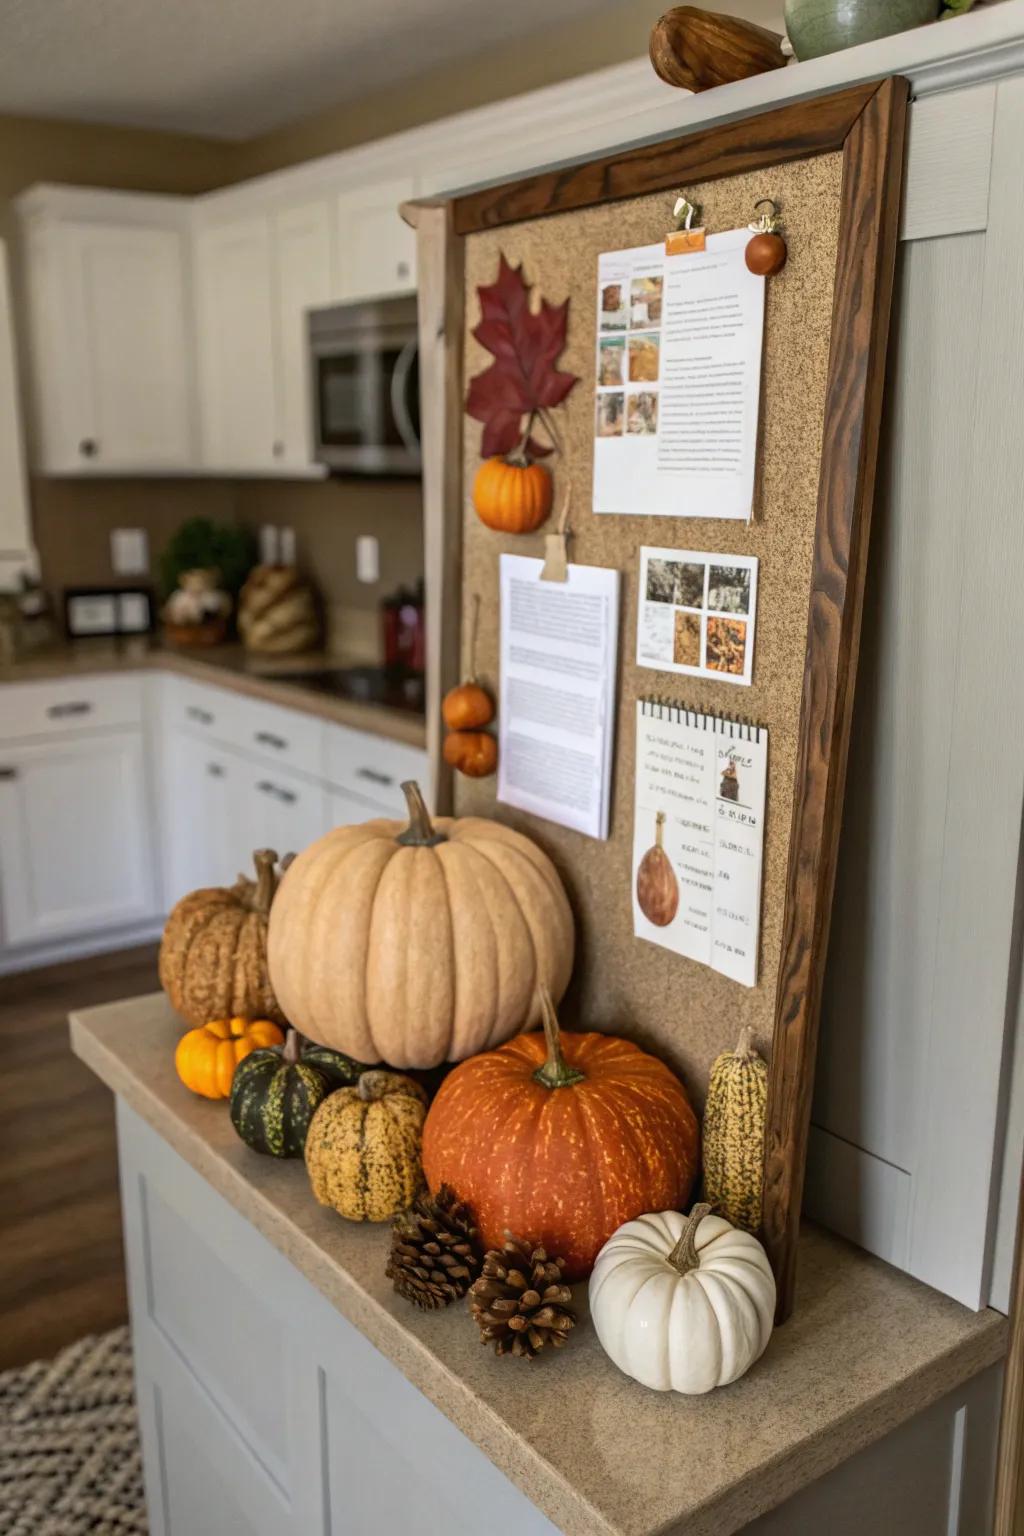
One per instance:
(435, 1251)
(521, 1301)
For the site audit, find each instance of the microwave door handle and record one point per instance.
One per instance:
(399, 386)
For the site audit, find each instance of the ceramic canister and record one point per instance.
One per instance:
(824, 26)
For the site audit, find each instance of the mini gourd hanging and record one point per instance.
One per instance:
(766, 253)
(467, 709)
(682, 1304)
(734, 1117)
(657, 889)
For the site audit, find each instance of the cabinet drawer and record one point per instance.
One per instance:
(69, 703)
(203, 710)
(372, 767)
(280, 735)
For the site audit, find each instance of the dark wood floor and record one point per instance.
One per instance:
(61, 1262)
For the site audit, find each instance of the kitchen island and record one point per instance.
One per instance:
(284, 1387)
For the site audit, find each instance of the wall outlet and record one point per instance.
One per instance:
(367, 558)
(129, 551)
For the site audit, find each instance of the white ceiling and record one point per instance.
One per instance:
(235, 68)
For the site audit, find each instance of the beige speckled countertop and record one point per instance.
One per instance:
(866, 1349)
(223, 666)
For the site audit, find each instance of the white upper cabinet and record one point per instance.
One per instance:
(109, 314)
(303, 262)
(376, 248)
(235, 308)
(16, 551)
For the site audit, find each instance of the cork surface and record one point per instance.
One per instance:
(682, 1010)
(599, 1454)
(223, 666)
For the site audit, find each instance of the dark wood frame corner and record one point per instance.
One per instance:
(867, 123)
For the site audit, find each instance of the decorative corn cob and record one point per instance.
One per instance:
(734, 1134)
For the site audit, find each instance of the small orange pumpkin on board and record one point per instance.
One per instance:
(766, 253)
(466, 709)
(657, 889)
(511, 494)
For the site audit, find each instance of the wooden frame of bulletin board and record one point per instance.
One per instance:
(835, 164)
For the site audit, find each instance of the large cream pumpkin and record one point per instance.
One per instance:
(418, 944)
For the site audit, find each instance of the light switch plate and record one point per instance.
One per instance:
(367, 558)
(129, 551)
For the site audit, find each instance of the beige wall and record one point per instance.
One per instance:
(558, 53)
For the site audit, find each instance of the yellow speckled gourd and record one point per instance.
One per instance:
(363, 1147)
(734, 1134)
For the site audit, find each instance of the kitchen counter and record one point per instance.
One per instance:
(867, 1348)
(224, 666)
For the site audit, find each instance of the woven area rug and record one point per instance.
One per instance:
(70, 1463)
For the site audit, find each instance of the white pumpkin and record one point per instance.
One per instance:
(681, 1303)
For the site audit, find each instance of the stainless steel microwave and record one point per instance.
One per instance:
(366, 387)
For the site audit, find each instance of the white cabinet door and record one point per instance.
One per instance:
(275, 809)
(15, 539)
(126, 352)
(303, 264)
(376, 248)
(75, 851)
(235, 306)
(200, 783)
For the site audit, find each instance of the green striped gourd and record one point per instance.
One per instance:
(734, 1134)
(280, 1089)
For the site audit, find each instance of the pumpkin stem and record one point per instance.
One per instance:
(745, 1048)
(420, 831)
(377, 1084)
(292, 1046)
(659, 828)
(556, 1071)
(266, 880)
(684, 1256)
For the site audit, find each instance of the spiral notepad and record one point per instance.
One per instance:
(698, 835)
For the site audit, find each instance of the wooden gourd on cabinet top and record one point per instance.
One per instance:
(698, 49)
(363, 1147)
(734, 1121)
(560, 1138)
(213, 955)
(418, 943)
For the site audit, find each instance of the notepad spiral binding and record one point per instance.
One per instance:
(738, 727)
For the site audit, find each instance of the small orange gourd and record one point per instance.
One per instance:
(206, 1057)
(766, 253)
(467, 707)
(474, 753)
(512, 495)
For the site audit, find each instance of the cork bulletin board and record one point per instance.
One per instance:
(834, 168)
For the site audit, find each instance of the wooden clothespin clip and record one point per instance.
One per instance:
(684, 238)
(556, 559)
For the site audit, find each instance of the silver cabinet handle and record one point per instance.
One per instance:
(74, 707)
(374, 775)
(286, 796)
(268, 739)
(193, 712)
(215, 770)
(8, 773)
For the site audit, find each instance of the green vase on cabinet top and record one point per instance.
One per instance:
(816, 27)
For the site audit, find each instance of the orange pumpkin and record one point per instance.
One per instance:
(511, 495)
(206, 1057)
(473, 753)
(560, 1138)
(467, 707)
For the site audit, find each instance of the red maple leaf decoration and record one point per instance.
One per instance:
(523, 379)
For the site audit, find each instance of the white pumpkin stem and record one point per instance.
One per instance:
(292, 1048)
(556, 1071)
(266, 880)
(684, 1256)
(420, 831)
(659, 828)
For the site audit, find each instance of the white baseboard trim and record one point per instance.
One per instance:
(14, 961)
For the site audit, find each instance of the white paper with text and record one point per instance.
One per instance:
(700, 798)
(556, 725)
(679, 342)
